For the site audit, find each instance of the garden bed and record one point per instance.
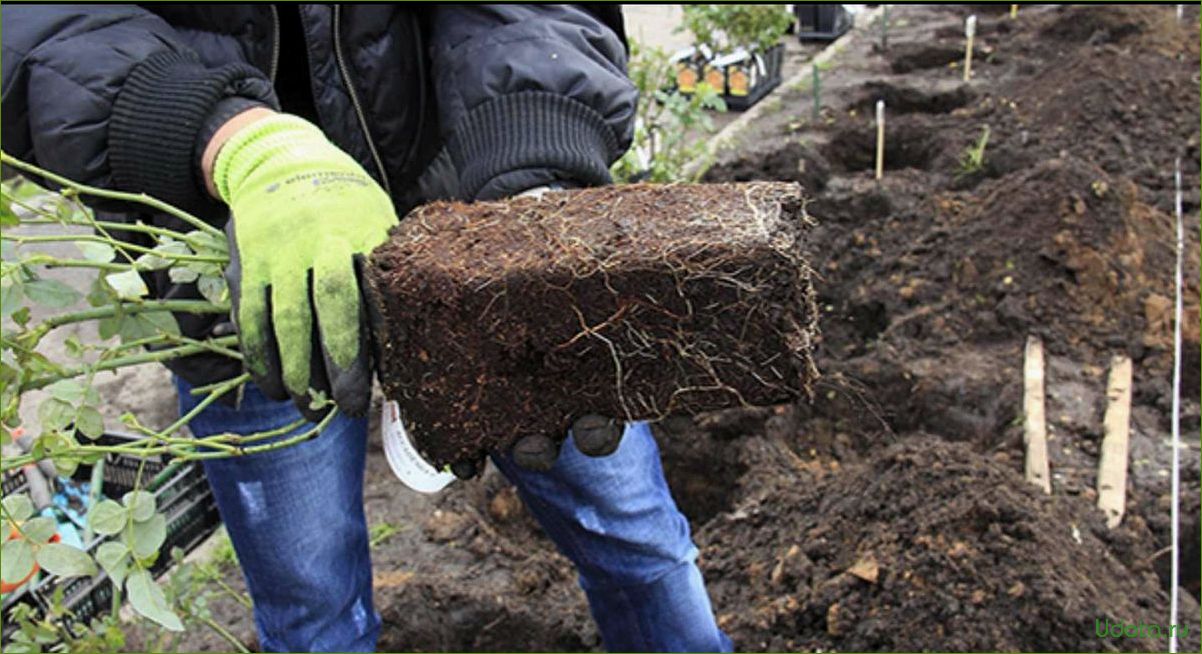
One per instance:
(934, 278)
(891, 513)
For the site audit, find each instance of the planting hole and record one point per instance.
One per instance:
(909, 57)
(906, 146)
(904, 99)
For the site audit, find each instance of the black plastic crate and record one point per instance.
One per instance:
(121, 471)
(769, 78)
(742, 79)
(14, 481)
(822, 22)
(182, 494)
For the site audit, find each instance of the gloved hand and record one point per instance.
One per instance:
(301, 210)
(593, 435)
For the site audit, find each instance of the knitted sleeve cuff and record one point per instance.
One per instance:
(530, 138)
(158, 117)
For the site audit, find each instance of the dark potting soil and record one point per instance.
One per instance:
(504, 319)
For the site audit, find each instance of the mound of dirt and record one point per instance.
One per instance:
(1061, 250)
(503, 319)
(929, 546)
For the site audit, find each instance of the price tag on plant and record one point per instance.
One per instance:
(406, 462)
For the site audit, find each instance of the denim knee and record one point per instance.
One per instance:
(613, 516)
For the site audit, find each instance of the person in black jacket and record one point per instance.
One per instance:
(305, 130)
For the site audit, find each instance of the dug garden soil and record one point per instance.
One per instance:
(932, 279)
(890, 512)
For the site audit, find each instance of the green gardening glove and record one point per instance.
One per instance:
(301, 211)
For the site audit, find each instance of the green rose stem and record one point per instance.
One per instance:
(128, 308)
(91, 238)
(165, 441)
(139, 198)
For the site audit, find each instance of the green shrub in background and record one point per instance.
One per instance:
(724, 28)
(668, 123)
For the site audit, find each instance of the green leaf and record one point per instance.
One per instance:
(8, 218)
(74, 346)
(140, 504)
(182, 275)
(152, 261)
(213, 288)
(100, 293)
(145, 325)
(10, 298)
(128, 284)
(107, 517)
(65, 465)
(67, 390)
(148, 599)
(146, 537)
(65, 561)
(206, 243)
(113, 556)
(110, 327)
(16, 560)
(89, 422)
(18, 507)
(55, 413)
(93, 251)
(51, 293)
(39, 530)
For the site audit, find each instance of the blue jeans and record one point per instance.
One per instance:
(295, 517)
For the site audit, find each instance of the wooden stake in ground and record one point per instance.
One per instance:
(1175, 484)
(1035, 431)
(1013, 12)
(880, 139)
(1112, 466)
(970, 33)
(885, 27)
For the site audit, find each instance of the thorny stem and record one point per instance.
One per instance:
(163, 441)
(141, 228)
(217, 345)
(218, 391)
(55, 262)
(91, 238)
(188, 449)
(138, 198)
(191, 449)
(225, 634)
(144, 306)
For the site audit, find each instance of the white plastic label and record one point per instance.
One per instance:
(404, 459)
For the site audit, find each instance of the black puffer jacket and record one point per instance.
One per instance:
(115, 95)
(465, 101)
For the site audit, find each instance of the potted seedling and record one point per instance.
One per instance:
(746, 46)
